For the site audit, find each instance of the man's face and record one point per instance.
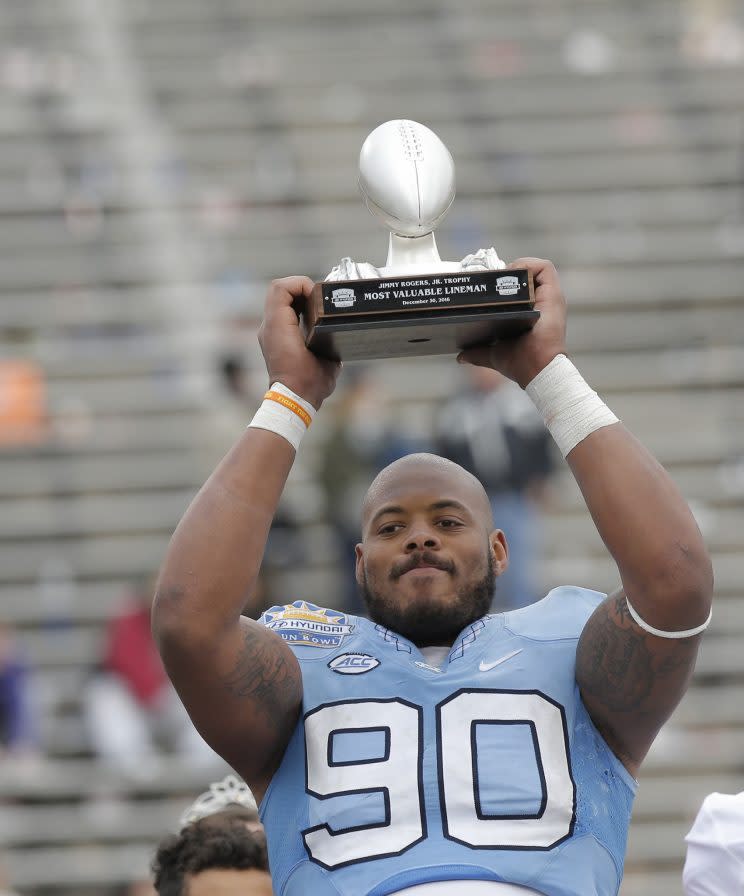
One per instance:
(427, 564)
(229, 882)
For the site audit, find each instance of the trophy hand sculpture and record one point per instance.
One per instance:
(416, 304)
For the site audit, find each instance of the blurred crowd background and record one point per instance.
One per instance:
(160, 162)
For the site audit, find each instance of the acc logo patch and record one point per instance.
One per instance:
(353, 663)
(306, 625)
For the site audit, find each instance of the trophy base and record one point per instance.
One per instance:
(440, 332)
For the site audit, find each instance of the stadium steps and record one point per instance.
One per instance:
(614, 244)
(653, 207)
(595, 329)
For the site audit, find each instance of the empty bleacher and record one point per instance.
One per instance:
(160, 162)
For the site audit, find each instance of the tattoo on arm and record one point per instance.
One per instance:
(262, 675)
(614, 661)
(620, 605)
(632, 680)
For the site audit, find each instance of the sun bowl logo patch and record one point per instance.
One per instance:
(507, 286)
(343, 298)
(306, 625)
(353, 663)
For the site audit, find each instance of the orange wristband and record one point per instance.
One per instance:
(290, 404)
(284, 412)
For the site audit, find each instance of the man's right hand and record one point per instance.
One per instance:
(288, 360)
(521, 359)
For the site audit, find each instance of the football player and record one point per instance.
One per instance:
(434, 748)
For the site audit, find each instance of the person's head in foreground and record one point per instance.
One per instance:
(430, 555)
(227, 799)
(213, 860)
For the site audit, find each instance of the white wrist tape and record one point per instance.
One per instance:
(690, 633)
(285, 413)
(571, 409)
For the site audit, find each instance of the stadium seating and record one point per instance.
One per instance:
(160, 162)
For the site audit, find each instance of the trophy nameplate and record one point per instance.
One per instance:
(417, 304)
(435, 314)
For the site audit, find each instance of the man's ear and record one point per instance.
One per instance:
(359, 563)
(499, 551)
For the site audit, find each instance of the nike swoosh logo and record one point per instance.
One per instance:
(486, 667)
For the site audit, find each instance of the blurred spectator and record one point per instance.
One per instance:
(235, 395)
(711, 32)
(715, 848)
(492, 429)
(205, 859)
(5, 888)
(131, 707)
(358, 442)
(18, 729)
(23, 413)
(233, 375)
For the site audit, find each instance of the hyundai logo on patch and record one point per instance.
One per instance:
(353, 663)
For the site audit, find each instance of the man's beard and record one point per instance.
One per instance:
(439, 624)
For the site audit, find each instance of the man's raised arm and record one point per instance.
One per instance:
(630, 678)
(240, 682)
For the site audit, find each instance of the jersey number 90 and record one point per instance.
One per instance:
(394, 772)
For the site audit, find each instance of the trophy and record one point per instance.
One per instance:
(416, 304)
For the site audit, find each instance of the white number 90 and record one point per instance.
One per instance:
(395, 772)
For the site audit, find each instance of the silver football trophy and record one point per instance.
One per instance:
(416, 304)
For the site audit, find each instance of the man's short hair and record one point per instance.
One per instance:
(202, 846)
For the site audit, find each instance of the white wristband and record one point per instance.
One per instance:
(690, 633)
(571, 409)
(285, 413)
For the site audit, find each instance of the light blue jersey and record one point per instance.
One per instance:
(401, 773)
